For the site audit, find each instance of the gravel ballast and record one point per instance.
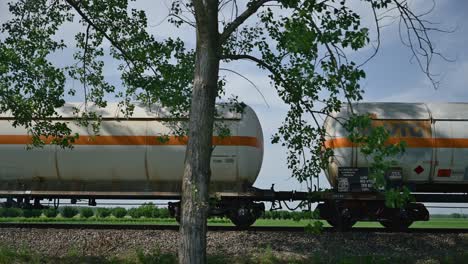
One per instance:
(60, 242)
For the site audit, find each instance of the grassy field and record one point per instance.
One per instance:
(433, 223)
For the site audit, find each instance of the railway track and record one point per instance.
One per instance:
(217, 228)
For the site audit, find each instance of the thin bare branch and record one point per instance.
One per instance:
(85, 53)
(252, 8)
(377, 27)
(417, 38)
(252, 58)
(248, 80)
(184, 19)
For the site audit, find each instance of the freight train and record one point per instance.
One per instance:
(139, 157)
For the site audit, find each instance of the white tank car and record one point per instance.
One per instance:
(128, 155)
(436, 135)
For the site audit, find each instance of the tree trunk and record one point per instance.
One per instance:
(197, 160)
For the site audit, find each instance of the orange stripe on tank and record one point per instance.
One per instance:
(339, 143)
(451, 143)
(139, 140)
(410, 142)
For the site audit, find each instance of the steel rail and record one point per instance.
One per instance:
(295, 229)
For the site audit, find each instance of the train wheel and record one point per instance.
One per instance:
(400, 221)
(342, 219)
(244, 215)
(337, 215)
(174, 210)
(396, 225)
(386, 224)
(343, 224)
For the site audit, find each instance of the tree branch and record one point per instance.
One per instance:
(417, 37)
(252, 58)
(77, 8)
(376, 19)
(251, 9)
(114, 43)
(85, 53)
(247, 79)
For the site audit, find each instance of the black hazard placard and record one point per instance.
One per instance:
(354, 179)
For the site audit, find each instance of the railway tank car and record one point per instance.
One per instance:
(136, 157)
(138, 154)
(435, 159)
(436, 137)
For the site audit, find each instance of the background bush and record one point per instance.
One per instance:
(134, 213)
(10, 212)
(119, 212)
(297, 216)
(50, 212)
(148, 210)
(86, 212)
(457, 215)
(103, 212)
(164, 213)
(69, 212)
(32, 212)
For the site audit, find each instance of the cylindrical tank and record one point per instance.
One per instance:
(135, 154)
(436, 136)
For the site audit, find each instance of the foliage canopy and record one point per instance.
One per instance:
(303, 45)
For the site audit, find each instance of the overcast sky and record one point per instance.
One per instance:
(391, 75)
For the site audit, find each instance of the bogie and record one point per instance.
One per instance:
(242, 214)
(342, 215)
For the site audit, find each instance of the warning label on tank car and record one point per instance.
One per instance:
(352, 179)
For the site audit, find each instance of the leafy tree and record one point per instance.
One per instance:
(301, 44)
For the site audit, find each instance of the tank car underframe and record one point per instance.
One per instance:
(258, 195)
(242, 212)
(343, 210)
(343, 214)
